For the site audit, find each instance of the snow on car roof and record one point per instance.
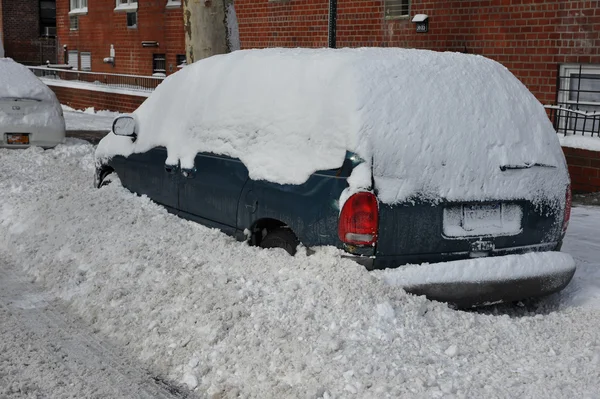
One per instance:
(18, 81)
(434, 125)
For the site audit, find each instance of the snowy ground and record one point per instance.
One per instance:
(195, 307)
(88, 119)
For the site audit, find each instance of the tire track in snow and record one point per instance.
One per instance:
(47, 352)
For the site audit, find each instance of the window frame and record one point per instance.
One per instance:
(74, 26)
(386, 4)
(76, 57)
(78, 7)
(155, 71)
(126, 5)
(565, 75)
(134, 26)
(81, 55)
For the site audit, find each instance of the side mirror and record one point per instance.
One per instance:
(125, 126)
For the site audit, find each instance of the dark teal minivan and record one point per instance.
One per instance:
(382, 153)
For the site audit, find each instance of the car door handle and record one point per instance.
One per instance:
(171, 169)
(188, 173)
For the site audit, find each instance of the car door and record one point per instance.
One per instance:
(147, 174)
(209, 194)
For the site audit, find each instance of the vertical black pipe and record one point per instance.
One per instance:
(332, 23)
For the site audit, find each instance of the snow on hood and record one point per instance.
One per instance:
(433, 125)
(18, 81)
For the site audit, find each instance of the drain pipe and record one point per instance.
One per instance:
(332, 24)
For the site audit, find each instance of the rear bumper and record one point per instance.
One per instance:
(485, 281)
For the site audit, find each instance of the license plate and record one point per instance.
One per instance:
(17, 138)
(481, 216)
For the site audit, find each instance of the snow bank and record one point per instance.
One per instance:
(18, 81)
(582, 142)
(433, 124)
(505, 268)
(197, 307)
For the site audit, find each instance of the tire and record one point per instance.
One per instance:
(105, 178)
(281, 238)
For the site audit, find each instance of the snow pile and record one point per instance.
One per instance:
(505, 268)
(199, 308)
(435, 125)
(583, 243)
(88, 119)
(91, 111)
(582, 142)
(16, 81)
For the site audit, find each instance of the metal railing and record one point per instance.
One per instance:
(111, 80)
(574, 122)
(577, 111)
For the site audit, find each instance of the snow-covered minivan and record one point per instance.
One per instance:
(394, 156)
(30, 113)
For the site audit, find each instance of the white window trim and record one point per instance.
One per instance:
(131, 5)
(173, 3)
(78, 10)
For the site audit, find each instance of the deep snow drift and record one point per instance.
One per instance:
(287, 113)
(202, 309)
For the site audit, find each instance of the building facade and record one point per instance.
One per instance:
(538, 40)
(28, 30)
(121, 36)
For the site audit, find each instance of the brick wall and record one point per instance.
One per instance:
(81, 99)
(103, 26)
(531, 37)
(584, 168)
(21, 33)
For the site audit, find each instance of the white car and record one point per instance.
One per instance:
(30, 113)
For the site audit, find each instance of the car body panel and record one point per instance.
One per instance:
(41, 120)
(416, 232)
(145, 174)
(210, 194)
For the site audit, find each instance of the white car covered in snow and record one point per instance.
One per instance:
(30, 113)
(398, 157)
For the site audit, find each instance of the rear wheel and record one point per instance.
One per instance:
(281, 237)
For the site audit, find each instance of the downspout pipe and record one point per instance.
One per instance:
(332, 24)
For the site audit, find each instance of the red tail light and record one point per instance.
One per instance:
(359, 220)
(568, 202)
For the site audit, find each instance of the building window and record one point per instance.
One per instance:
(180, 60)
(74, 22)
(78, 7)
(159, 65)
(579, 89)
(86, 61)
(73, 60)
(48, 18)
(126, 5)
(132, 19)
(396, 8)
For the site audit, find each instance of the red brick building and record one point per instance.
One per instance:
(533, 38)
(28, 30)
(147, 37)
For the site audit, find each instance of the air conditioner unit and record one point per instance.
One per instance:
(49, 31)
